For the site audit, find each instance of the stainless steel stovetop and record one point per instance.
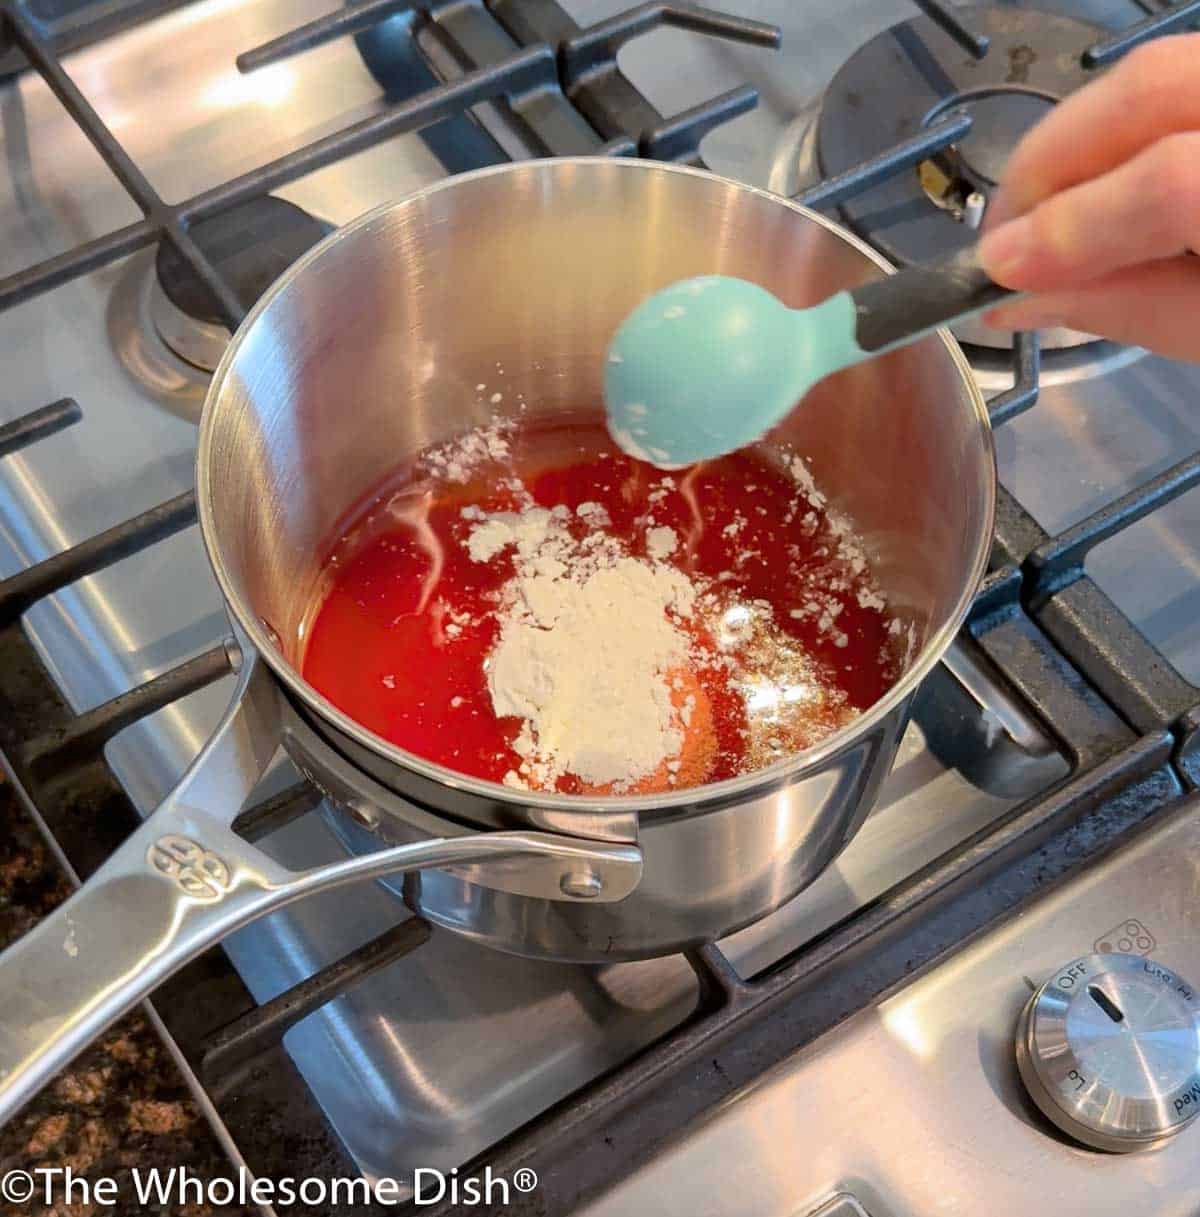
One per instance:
(915, 1107)
(438, 1056)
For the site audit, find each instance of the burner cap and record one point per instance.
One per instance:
(913, 75)
(999, 121)
(251, 245)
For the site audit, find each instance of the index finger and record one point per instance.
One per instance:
(1154, 91)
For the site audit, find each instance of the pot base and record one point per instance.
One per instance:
(706, 874)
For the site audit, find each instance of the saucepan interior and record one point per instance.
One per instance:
(370, 349)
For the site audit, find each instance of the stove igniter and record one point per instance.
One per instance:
(1109, 1050)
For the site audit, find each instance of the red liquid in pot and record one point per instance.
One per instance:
(408, 619)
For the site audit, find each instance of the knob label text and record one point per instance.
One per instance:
(1189, 1096)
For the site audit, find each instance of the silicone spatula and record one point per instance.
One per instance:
(708, 365)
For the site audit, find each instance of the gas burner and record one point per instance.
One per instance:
(1061, 365)
(914, 75)
(250, 245)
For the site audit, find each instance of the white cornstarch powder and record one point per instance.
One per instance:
(588, 637)
(585, 664)
(459, 459)
(661, 542)
(600, 654)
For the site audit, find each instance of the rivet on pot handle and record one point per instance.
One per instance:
(184, 880)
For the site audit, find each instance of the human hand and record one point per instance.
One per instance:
(1100, 206)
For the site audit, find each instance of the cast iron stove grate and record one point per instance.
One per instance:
(536, 84)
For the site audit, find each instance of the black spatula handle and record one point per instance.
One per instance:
(918, 299)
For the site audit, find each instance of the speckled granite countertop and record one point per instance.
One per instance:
(124, 1103)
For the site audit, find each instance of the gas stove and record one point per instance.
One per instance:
(930, 1071)
(157, 179)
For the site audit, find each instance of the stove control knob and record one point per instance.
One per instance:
(1109, 1049)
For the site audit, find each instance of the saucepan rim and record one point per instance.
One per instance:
(774, 776)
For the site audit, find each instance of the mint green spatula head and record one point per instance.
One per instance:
(709, 365)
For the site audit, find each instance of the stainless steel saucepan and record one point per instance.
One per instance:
(368, 350)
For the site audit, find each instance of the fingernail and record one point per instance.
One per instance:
(1004, 251)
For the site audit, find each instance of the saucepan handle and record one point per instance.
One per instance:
(184, 880)
(166, 893)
